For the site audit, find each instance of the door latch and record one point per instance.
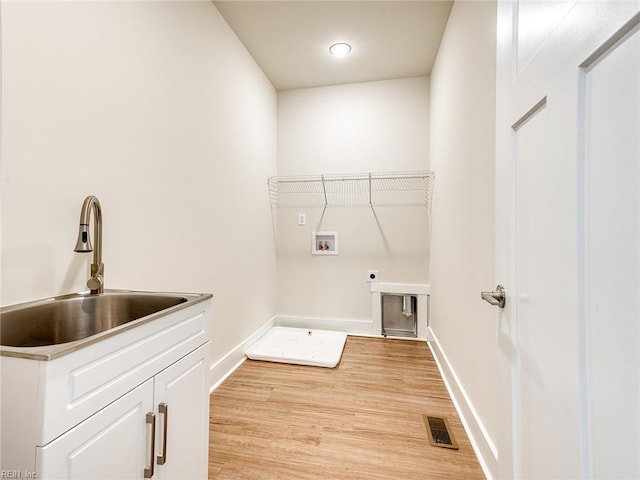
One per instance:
(497, 297)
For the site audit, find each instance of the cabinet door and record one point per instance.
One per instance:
(182, 409)
(114, 443)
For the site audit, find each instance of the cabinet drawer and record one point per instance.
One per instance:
(85, 381)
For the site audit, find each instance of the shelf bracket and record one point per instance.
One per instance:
(370, 190)
(324, 190)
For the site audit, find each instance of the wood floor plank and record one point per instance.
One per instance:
(360, 420)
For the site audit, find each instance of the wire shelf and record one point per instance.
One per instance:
(372, 189)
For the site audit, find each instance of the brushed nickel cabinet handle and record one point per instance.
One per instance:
(163, 408)
(151, 420)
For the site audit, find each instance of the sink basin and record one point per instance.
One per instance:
(74, 317)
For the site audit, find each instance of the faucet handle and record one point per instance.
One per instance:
(96, 280)
(95, 283)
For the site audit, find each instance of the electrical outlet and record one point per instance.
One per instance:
(302, 219)
(372, 276)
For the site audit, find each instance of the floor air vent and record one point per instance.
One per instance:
(439, 432)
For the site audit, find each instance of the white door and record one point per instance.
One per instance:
(112, 444)
(182, 405)
(568, 238)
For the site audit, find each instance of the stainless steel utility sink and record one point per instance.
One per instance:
(82, 317)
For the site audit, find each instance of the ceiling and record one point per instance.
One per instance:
(290, 39)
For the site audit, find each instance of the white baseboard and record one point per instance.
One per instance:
(338, 324)
(484, 447)
(224, 367)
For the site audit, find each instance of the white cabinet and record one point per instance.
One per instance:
(133, 406)
(116, 442)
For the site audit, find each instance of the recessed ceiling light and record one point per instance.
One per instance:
(340, 49)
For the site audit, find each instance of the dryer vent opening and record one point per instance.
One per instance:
(399, 315)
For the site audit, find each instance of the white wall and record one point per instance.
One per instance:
(363, 127)
(158, 109)
(462, 155)
(357, 127)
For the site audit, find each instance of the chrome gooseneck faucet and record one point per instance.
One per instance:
(96, 280)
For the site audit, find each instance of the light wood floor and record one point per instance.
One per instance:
(360, 420)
